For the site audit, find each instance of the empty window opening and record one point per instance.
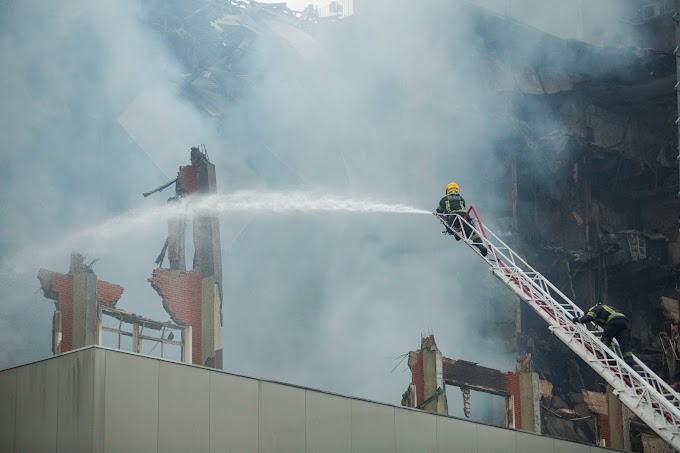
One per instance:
(478, 406)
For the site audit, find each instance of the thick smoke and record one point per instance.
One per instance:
(391, 107)
(68, 165)
(598, 22)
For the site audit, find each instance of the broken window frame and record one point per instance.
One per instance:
(137, 334)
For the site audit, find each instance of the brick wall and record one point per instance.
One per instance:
(187, 178)
(604, 430)
(60, 287)
(107, 293)
(512, 385)
(417, 375)
(181, 294)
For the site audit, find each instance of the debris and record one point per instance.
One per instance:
(159, 189)
(466, 401)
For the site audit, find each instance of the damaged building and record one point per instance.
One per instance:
(85, 307)
(528, 403)
(108, 360)
(592, 202)
(590, 185)
(601, 219)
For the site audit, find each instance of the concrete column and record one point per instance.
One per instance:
(208, 255)
(176, 240)
(211, 325)
(186, 338)
(530, 402)
(56, 332)
(84, 309)
(433, 379)
(208, 259)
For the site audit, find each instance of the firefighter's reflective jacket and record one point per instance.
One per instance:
(601, 315)
(452, 204)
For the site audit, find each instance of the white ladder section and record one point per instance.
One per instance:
(641, 390)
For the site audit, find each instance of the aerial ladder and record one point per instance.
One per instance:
(638, 387)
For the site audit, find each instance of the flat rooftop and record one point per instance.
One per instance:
(98, 399)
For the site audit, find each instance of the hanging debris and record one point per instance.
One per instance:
(466, 401)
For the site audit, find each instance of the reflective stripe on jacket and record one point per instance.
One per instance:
(452, 204)
(602, 315)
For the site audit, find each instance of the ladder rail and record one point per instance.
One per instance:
(645, 393)
(574, 311)
(549, 286)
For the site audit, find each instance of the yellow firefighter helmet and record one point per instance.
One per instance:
(451, 187)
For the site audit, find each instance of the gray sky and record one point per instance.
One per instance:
(93, 116)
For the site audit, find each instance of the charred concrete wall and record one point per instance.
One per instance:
(593, 166)
(597, 208)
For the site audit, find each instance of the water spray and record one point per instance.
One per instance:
(300, 202)
(242, 202)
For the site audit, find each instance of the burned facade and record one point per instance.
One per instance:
(594, 205)
(431, 372)
(529, 401)
(194, 298)
(591, 200)
(77, 296)
(85, 307)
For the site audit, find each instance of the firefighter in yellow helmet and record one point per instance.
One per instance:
(614, 325)
(452, 208)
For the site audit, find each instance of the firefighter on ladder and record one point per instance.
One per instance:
(452, 209)
(614, 325)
